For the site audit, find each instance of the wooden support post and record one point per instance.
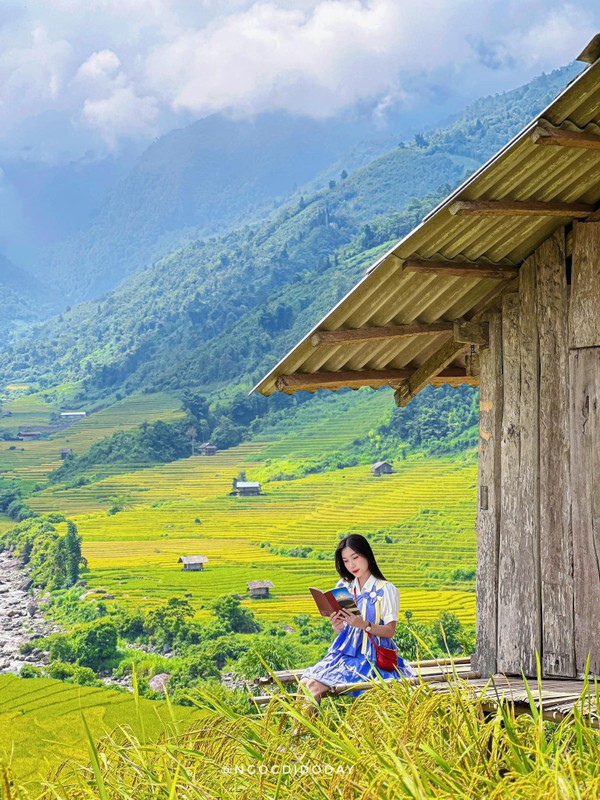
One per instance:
(515, 208)
(431, 368)
(519, 615)
(556, 547)
(488, 511)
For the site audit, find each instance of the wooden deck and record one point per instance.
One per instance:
(558, 696)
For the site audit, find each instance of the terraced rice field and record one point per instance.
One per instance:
(44, 718)
(31, 462)
(427, 506)
(333, 422)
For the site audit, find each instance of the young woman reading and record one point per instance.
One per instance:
(352, 656)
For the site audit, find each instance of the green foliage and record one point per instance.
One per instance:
(230, 613)
(54, 559)
(92, 645)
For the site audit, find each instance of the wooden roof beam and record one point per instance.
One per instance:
(463, 269)
(432, 368)
(558, 137)
(385, 332)
(376, 378)
(517, 208)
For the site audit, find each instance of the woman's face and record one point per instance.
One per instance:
(355, 563)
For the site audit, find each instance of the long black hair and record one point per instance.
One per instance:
(361, 546)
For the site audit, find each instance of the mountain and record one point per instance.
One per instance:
(194, 182)
(221, 311)
(23, 298)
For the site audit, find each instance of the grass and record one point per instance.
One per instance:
(44, 718)
(395, 741)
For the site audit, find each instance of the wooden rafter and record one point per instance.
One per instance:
(462, 269)
(564, 138)
(516, 208)
(375, 378)
(331, 338)
(430, 369)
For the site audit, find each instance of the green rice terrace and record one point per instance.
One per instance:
(136, 520)
(45, 720)
(421, 517)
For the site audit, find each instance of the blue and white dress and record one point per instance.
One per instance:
(351, 657)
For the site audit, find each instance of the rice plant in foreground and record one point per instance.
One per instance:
(393, 742)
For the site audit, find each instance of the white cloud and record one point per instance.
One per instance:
(109, 70)
(102, 64)
(122, 114)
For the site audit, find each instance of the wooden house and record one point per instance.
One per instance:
(207, 449)
(382, 468)
(245, 488)
(499, 286)
(66, 451)
(259, 589)
(193, 563)
(29, 436)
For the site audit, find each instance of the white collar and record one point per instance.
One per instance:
(369, 584)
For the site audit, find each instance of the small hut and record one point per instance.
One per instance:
(67, 451)
(245, 488)
(193, 563)
(28, 436)
(499, 286)
(382, 468)
(207, 449)
(259, 589)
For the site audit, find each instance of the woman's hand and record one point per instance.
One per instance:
(336, 623)
(354, 620)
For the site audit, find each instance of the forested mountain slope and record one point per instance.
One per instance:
(22, 298)
(193, 182)
(223, 310)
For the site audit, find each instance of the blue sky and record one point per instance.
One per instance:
(97, 75)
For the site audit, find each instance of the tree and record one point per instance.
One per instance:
(72, 541)
(97, 643)
(230, 612)
(226, 434)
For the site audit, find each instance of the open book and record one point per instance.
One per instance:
(334, 600)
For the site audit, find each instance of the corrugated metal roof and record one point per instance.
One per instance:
(193, 560)
(260, 585)
(390, 295)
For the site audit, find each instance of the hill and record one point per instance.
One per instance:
(24, 299)
(193, 182)
(220, 311)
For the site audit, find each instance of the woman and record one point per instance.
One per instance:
(351, 657)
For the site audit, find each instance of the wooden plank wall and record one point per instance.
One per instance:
(525, 588)
(584, 339)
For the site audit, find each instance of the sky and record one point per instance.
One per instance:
(88, 77)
